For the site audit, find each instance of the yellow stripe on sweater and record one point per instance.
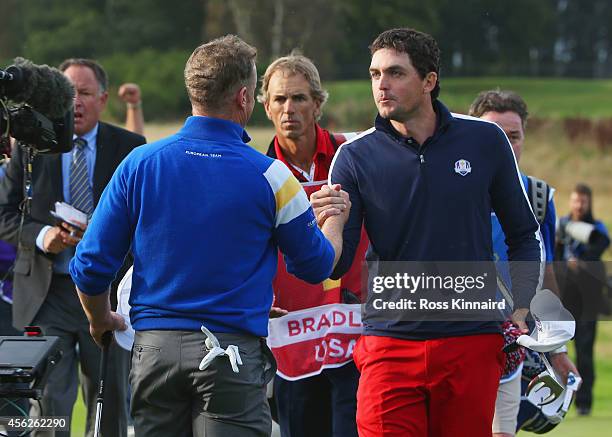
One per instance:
(286, 192)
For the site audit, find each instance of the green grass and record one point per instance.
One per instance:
(351, 104)
(77, 427)
(572, 426)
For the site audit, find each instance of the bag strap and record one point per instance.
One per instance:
(337, 140)
(539, 192)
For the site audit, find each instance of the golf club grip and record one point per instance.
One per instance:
(511, 347)
(107, 337)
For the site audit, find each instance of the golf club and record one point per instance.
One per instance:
(107, 337)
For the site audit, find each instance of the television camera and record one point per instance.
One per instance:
(36, 107)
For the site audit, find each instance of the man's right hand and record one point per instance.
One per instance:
(111, 322)
(333, 215)
(563, 365)
(328, 202)
(58, 238)
(129, 93)
(518, 318)
(276, 312)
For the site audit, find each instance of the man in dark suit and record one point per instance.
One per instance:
(44, 294)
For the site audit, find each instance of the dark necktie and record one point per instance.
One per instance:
(80, 190)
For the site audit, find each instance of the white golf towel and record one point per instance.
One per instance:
(125, 339)
(555, 326)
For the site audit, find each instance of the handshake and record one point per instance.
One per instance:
(330, 201)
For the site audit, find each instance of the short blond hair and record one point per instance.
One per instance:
(215, 69)
(295, 63)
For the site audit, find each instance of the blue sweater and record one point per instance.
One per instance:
(203, 214)
(500, 249)
(432, 202)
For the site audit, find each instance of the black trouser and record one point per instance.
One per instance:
(323, 405)
(172, 397)
(582, 296)
(585, 341)
(6, 319)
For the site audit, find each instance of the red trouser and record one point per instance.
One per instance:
(431, 388)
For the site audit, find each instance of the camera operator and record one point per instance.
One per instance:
(581, 240)
(44, 294)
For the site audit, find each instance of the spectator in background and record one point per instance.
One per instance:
(323, 404)
(43, 292)
(508, 110)
(129, 93)
(581, 241)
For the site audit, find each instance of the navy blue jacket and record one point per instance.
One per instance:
(433, 202)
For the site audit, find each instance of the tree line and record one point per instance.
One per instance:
(149, 40)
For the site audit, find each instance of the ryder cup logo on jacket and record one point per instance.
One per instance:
(463, 167)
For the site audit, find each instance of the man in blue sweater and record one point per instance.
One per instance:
(203, 214)
(424, 182)
(508, 110)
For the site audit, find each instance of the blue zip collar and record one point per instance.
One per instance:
(215, 129)
(443, 119)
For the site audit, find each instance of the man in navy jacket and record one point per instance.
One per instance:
(424, 182)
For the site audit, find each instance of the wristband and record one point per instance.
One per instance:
(134, 105)
(560, 350)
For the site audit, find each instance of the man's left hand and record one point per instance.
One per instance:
(563, 365)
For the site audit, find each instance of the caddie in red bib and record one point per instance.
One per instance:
(316, 383)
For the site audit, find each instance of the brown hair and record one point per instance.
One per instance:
(216, 69)
(585, 190)
(419, 46)
(97, 69)
(499, 101)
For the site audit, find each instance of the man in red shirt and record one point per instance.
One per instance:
(319, 401)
